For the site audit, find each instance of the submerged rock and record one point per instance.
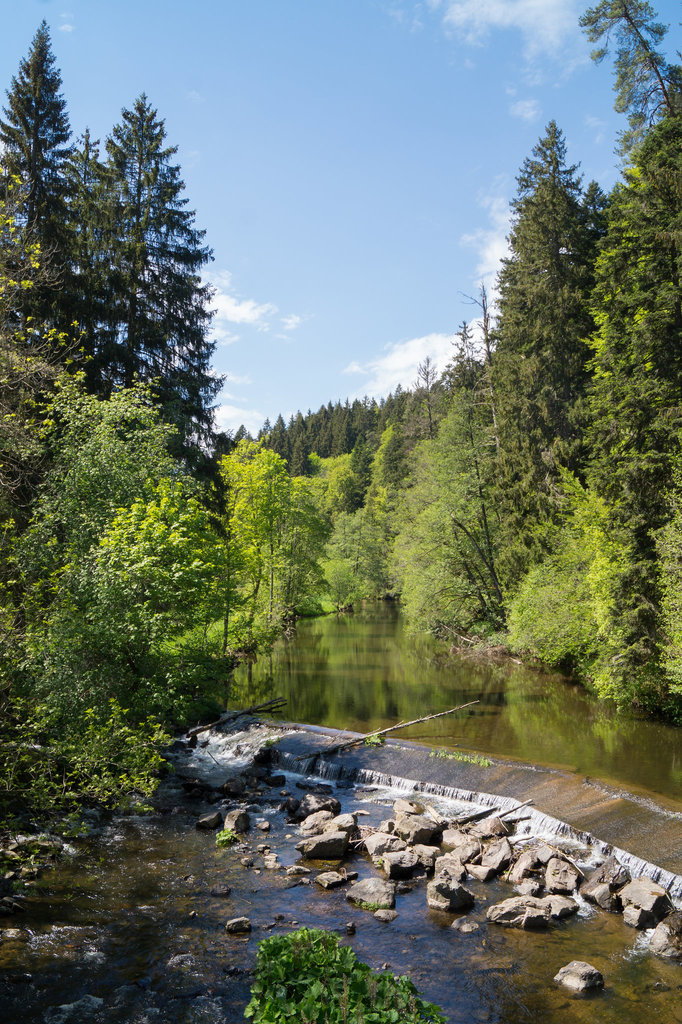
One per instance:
(579, 976)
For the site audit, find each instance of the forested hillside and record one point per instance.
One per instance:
(528, 494)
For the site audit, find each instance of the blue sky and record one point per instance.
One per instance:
(351, 160)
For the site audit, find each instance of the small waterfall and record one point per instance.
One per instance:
(539, 825)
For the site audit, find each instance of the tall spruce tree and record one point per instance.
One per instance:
(637, 394)
(540, 365)
(35, 134)
(158, 308)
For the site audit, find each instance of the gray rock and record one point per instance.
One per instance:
(530, 887)
(481, 873)
(311, 803)
(379, 843)
(562, 877)
(407, 807)
(372, 894)
(452, 838)
(645, 903)
(426, 855)
(451, 865)
(330, 879)
(297, 869)
(271, 862)
(328, 846)
(601, 895)
(399, 864)
(417, 828)
(73, 1013)
(233, 787)
(263, 826)
(464, 925)
(385, 915)
(579, 976)
(489, 828)
(238, 821)
(520, 912)
(444, 893)
(388, 825)
(667, 939)
(560, 907)
(209, 822)
(314, 823)
(611, 872)
(238, 926)
(498, 856)
(342, 823)
(525, 866)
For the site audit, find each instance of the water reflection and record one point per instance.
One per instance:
(366, 671)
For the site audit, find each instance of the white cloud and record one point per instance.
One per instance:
(527, 110)
(399, 363)
(233, 309)
(491, 241)
(66, 27)
(195, 97)
(545, 25)
(294, 320)
(231, 417)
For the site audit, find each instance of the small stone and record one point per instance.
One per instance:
(271, 862)
(246, 862)
(264, 826)
(297, 869)
(579, 976)
(385, 915)
(238, 926)
(350, 928)
(464, 925)
(221, 890)
(209, 822)
(330, 879)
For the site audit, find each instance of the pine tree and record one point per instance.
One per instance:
(159, 311)
(647, 87)
(540, 364)
(35, 137)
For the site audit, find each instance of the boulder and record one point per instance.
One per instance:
(209, 822)
(489, 828)
(445, 893)
(426, 855)
(417, 828)
(560, 906)
(407, 807)
(497, 856)
(454, 837)
(466, 848)
(667, 939)
(233, 787)
(238, 926)
(314, 823)
(312, 802)
(481, 873)
(530, 887)
(342, 823)
(328, 846)
(237, 821)
(385, 915)
(579, 976)
(372, 894)
(561, 876)
(645, 903)
(380, 843)
(524, 867)
(520, 912)
(330, 879)
(600, 893)
(388, 825)
(451, 865)
(399, 864)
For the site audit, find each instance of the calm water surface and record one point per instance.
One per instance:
(366, 671)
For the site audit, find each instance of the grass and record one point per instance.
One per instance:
(456, 755)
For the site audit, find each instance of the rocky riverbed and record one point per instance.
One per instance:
(484, 910)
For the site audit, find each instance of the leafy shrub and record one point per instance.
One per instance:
(307, 977)
(225, 837)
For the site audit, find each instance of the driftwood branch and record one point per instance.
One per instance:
(382, 732)
(276, 704)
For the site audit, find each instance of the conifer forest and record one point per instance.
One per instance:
(527, 497)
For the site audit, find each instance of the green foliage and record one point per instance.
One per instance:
(307, 977)
(226, 837)
(456, 755)
(374, 741)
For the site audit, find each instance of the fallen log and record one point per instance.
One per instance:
(381, 732)
(276, 704)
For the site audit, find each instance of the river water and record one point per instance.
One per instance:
(366, 671)
(131, 930)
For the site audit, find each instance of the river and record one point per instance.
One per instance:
(131, 930)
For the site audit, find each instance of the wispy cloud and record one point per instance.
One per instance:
(527, 110)
(399, 362)
(545, 25)
(598, 125)
(294, 320)
(490, 241)
(233, 309)
(66, 27)
(195, 97)
(230, 417)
